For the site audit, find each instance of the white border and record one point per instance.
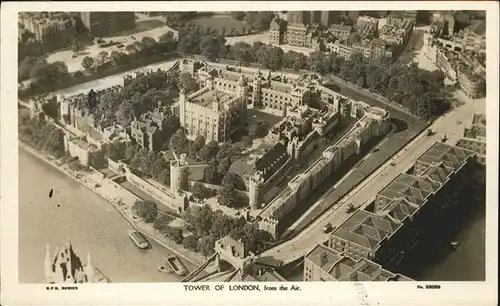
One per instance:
(451, 293)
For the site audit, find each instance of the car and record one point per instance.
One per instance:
(349, 208)
(328, 228)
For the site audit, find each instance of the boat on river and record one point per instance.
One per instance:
(139, 240)
(176, 265)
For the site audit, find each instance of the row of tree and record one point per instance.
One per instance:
(148, 163)
(208, 226)
(42, 73)
(136, 53)
(41, 135)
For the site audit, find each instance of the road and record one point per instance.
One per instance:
(364, 193)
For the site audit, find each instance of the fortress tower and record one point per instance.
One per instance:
(178, 173)
(257, 89)
(254, 190)
(345, 107)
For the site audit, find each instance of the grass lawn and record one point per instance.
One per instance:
(255, 115)
(222, 24)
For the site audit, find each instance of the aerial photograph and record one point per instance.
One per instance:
(251, 146)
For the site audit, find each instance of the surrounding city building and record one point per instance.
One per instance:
(53, 30)
(463, 68)
(325, 264)
(404, 208)
(340, 31)
(397, 31)
(277, 31)
(66, 267)
(364, 21)
(101, 24)
(298, 35)
(474, 138)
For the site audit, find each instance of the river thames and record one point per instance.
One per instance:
(92, 225)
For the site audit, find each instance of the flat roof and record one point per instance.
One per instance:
(206, 98)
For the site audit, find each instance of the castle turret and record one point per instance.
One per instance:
(242, 88)
(254, 190)
(216, 103)
(345, 107)
(178, 173)
(257, 90)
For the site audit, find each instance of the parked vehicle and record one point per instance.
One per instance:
(350, 208)
(328, 228)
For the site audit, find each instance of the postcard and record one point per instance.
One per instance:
(245, 153)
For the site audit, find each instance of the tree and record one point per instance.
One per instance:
(147, 210)
(179, 142)
(103, 55)
(175, 234)
(167, 42)
(25, 68)
(224, 165)
(241, 52)
(116, 151)
(210, 174)
(78, 75)
(149, 43)
(206, 245)
(161, 223)
(227, 196)
(131, 49)
(118, 58)
(239, 15)
(200, 191)
(187, 82)
(48, 74)
(195, 146)
(88, 63)
(209, 151)
(211, 45)
(190, 243)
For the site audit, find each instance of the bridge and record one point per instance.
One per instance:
(197, 271)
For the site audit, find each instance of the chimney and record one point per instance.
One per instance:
(323, 259)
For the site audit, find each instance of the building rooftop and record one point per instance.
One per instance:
(324, 257)
(414, 189)
(340, 27)
(344, 268)
(237, 248)
(451, 156)
(270, 156)
(205, 98)
(366, 229)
